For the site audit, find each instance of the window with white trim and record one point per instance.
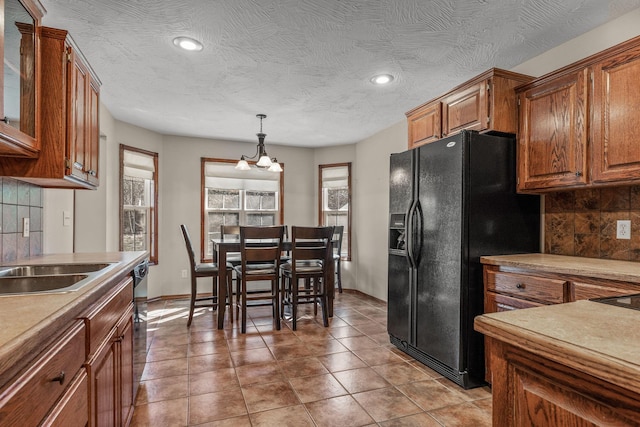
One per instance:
(335, 201)
(232, 197)
(138, 201)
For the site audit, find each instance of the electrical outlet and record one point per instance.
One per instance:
(623, 229)
(185, 274)
(25, 227)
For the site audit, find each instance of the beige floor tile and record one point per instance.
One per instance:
(310, 389)
(212, 381)
(418, 420)
(263, 397)
(400, 373)
(165, 368)
(209, 362)
(302, 367)
(291, 416)
(377, 356)
(259, 373)
(163, 389)
(251, 356)
(386, 403)
(347, 374)
(342, 361)
(359, 380)
(430, 394)
(462, 415)
(338, 411)
(216, 406)
(165, 413)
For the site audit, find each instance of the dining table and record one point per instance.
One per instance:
(226, 246)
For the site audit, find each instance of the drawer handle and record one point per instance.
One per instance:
(59, 378)
(521, 286)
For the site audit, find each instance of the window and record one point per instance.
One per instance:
(335, 201)
(139, 201)
(231, 197)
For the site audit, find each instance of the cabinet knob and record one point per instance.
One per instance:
(78, 165)
(59, 378)
(92, 172)
(578, 173)
(521, 286)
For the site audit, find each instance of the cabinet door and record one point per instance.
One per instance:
(425, 124)
(553, 135)
(73, 409)
(77, 115)
(125, 368)
(616, 118)
(466, 109)
(102, 374)
(92, 156)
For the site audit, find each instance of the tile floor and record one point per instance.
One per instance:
(345, 375)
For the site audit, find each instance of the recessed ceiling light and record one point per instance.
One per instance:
(187, 43)
(381, 79)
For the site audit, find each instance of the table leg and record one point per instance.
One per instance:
(331, 284)
(222, 286)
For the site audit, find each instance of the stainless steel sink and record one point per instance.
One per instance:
(48, 270)
(41, 284)
(47, 278)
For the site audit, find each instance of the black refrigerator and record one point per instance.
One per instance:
(451, 202)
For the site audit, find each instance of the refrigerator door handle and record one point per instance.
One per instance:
(416, 233)
(409, 233)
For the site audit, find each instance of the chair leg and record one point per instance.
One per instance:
(192, 304)
(243, 326)
(325, 309)
(275, 286)
(229, 295)
(339, 271)
(294, 303)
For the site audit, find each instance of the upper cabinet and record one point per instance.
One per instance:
(484, 103)
(69, 97)
(19, 47)
(577, 124)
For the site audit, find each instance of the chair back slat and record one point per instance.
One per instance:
(261, 244)
(311, 243)
(187, 241)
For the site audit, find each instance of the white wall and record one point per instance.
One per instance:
(57, 238)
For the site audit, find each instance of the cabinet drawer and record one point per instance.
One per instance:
(27, 400)
(102, 317)
(528, 287)
(73, 408)
(582, 291)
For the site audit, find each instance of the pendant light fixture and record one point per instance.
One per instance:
(264, 161)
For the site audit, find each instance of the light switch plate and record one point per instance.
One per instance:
(66, 218)
(623, 229)
(25, 227)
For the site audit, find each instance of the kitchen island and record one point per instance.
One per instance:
(88, 329)
(567, 364)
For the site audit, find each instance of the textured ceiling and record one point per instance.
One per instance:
(304, 63)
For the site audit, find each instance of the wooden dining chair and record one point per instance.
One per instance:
(204, 270)
(304, 279)
(338, 231)
(260, 251)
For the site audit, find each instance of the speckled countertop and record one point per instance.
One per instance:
(30, 322)
(627, 271)
(599, 339)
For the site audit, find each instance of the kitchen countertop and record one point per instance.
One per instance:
(30, 322)
(598, 339)
(627, 271)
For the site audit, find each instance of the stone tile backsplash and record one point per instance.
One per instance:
(20, 200)
(584, 223)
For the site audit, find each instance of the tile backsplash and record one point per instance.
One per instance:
(584, 222)
(20, 200)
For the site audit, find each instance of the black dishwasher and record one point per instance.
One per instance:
(140, 349)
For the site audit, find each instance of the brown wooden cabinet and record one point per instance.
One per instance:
(69, 125)
(509, 288)
(110, 364)
(20, 72)
(577, 124)
(535, 391)
(27, 399)
(486, 102)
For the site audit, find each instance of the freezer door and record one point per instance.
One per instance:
(440, 270)
(399, 297)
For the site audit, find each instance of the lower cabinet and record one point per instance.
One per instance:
(110, 363)
(507, 288)
(535, 391)
(73, 409)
